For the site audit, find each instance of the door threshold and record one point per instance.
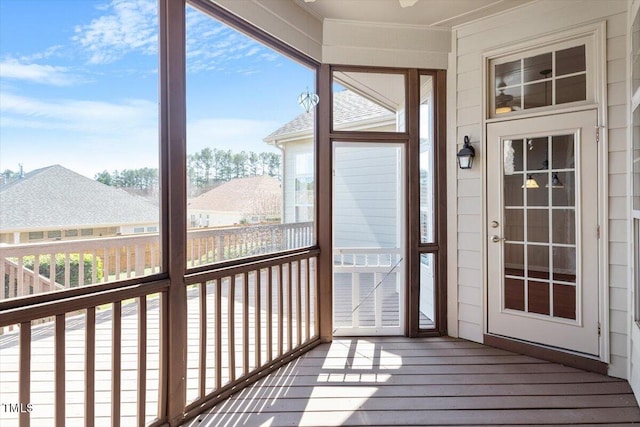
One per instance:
(545, 353)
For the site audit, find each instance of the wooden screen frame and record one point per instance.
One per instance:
(411, 138)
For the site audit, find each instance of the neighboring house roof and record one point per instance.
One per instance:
(349, 108)
(250, 195)
(56, 197)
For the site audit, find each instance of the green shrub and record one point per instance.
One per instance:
(74, 262)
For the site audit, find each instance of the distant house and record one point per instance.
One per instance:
(242, 200)
(55, 203)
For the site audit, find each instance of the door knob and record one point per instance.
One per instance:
(495, 238)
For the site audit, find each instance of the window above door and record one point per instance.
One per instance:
(543, 78)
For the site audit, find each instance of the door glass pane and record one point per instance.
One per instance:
(369, 102)
(540, 271)
(514, 259)
(562, 152)
(571, 89)
(514, 225)
(564, 226)
(368, 280)
(538, 261)
(538, 225)
(427, 291)
(537, 67)
(427, 160)
(538, 297)
(563, 184)
(507, 74)
(531, 82)
(570, 60)
(537, 95)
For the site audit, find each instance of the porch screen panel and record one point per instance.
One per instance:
(540, 216)
(79, 200)
(428, 184)
(250, 147)
(368, 102)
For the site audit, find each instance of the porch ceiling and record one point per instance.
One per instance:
(426, 13)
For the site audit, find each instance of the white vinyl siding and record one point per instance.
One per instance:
(367, 181)
(472, 41)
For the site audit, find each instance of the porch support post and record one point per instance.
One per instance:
(324, 226)
(173, 206)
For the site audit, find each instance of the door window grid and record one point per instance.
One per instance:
(548, 289)
(555, 77)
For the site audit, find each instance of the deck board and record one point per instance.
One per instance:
(368, 381)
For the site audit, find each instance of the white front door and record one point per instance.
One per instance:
(543, 231)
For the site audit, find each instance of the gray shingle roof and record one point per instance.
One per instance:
(250, 195)
(56, 197)
(349, 108)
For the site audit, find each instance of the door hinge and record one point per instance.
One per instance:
(598, 127)
(599, 329)
(598, 232)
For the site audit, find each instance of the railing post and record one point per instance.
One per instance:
(173, 159)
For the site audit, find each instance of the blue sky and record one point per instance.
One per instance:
(79, 85)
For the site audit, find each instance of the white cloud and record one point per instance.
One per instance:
(229, 134)
(129, 26)
(44, 74)
(86, 136)
(76, 115)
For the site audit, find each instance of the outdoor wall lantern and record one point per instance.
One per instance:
(466, 155)
(308, 100)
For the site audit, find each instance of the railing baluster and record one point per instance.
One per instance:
(289, 306)
(142, 360)
(202, 368)
(24, 396)
(90, 368)
(117, 262)
(163, 366)
(60, 368)
(218, 326)
(307, 301)
(269, 336)
(280, 313)
(299, 302)
(3, 294)
(106, 264)
(20, 277)
(37, 285)
(80, 268)
(67, 270)
(231, 325)
(258, 314)
(116, 363)
(139, 258)
(245, 323)
(128, 263)
(355, 299)
(94, 269)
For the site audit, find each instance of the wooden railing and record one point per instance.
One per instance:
(123, 257)
(247, 318)
(243, 321)
(362, 278)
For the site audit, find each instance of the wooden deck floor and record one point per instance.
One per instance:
(431, 381)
